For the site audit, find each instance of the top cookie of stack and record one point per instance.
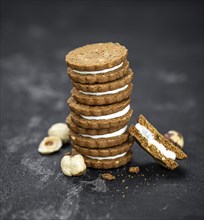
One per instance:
(100, 104)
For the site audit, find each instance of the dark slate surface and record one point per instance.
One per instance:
(165, 42)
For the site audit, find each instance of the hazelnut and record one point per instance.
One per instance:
(175, 137)
(49, 145)
(73, 165)
(60, 130)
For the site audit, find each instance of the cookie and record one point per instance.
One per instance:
(88, 110)
(108, 163)
(99, 56)
(162, 150)
(99, 78)
(101, 122)
(105, 152)
(101, 98)
(103, 87)
(89, 142)
(100, 104)
(80, 130)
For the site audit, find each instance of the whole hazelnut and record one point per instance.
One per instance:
(175, 137)
(73, 165)
(60, 130)
(49, 145)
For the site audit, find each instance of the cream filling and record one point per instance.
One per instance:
(99, 71)
(105, 93)
(114, 134)
(151, 140)
(107, 158)
(113, 115)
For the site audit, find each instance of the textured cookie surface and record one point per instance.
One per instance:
(80, 130)
(102, 99)
(151, 149)
(96, 56)
(105, 152)
(88, 110)
(99, 78)
(161, 139)
(108, 164)
(98, 143)
(99, 124)
(103, 87)
(109, 86)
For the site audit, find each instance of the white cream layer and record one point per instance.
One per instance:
(151, 140)
(110, 116)
(114, 134)
(105, 93)
(99, 71)
(107, 158)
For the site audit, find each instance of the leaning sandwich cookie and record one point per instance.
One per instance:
(161, 149)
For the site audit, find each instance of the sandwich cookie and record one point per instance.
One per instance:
(87, 110)
(162, 150)
(104, 121)
(101, 76)
(97, 63)
(80, 130)
(102, 98)
(108, 162)
(100, 141)
(105, 152)
(105, 87)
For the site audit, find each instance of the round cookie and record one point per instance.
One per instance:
(96, 56)
(108, 164)
(102, 99)
(109, 86)
(99, 78)
(105, 152)
(100, 142)
(165, 156)
(88, 110)
(100, 124)
(80, 130)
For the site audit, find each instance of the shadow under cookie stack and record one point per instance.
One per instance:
(100, 104)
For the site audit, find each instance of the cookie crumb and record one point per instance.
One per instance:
(134, 169)
(108, 176)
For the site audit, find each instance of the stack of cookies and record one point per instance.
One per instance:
(100, 104)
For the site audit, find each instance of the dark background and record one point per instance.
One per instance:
(166, 53)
